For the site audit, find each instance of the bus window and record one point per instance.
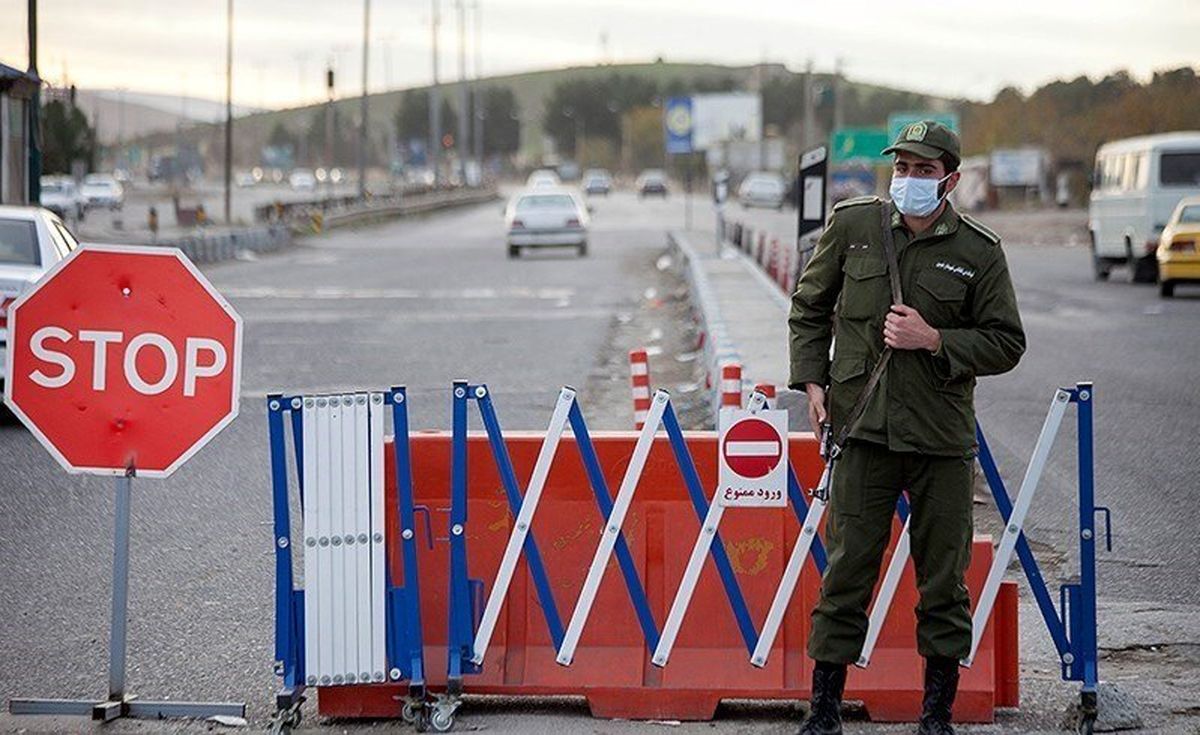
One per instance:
(1179, 169)
(1143, 171)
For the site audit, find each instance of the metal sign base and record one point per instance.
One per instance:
(120, 704)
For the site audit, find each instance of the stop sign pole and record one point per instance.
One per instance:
(123, 361)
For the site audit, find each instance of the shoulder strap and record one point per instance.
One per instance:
(889, 250)
(860, 406)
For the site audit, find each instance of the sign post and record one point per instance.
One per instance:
(811, 176)
(147, 355)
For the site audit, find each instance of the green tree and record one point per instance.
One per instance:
(67, 137)
(412, 119)
(593, 107)
(501, 121)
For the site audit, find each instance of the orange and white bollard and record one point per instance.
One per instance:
(731, 385)
(639, 380)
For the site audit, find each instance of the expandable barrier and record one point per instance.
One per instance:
(537, 547)
(349, 624)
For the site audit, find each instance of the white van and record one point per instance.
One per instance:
(1136, 184)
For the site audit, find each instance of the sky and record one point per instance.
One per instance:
(957, 48)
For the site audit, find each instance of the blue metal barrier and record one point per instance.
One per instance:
(404, 642)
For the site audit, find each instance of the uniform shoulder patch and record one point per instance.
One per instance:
(987, 233)
(855, 201)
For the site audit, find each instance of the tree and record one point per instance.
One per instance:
(412, 119)
(67, 137)
(501, 121)
(593, 107)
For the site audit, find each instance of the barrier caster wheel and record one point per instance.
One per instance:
(408, 713)
(442, 720)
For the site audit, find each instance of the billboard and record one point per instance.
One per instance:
(725, 116)
(1017, 167)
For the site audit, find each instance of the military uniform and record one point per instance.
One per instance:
(918, 430)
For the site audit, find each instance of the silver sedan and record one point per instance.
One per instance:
(546, 217)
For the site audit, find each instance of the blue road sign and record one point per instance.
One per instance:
(678, 124)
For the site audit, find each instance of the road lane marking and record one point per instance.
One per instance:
(333, 293)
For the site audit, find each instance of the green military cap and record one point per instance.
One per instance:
(927, 139)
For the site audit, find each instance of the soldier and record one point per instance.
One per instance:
(900, 404)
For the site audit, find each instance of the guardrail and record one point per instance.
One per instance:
(320, 214)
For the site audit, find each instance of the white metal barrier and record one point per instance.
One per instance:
(608, 539)
(516, 540)
(1004, 552)
(691, 573)
(344, 573)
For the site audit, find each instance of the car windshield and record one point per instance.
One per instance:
(1180, 169)
(1190, 214)
(54, 187)
(18, 242)
(545, 201)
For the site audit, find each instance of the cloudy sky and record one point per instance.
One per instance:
(967, 48)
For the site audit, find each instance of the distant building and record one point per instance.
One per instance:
(16, 93)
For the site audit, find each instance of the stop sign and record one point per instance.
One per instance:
(123, 359)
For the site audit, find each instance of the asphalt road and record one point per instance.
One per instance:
(419, 302)
(423, 302)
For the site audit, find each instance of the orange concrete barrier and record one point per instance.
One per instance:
(612, 666)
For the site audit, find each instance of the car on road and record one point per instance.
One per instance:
(302, 179)
(762, 189)
(597, 181)
(1178, 252)
(651, 182)
(542, 178)
(546, 217)
(61, 196)
(244, 179)
(32, 240)
(102, 191)
(1136, 185)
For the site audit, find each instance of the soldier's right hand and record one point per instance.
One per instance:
(816, 406)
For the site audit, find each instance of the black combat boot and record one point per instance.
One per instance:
(825, 710)
(941, 685)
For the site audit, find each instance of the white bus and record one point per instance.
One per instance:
(1136, 184)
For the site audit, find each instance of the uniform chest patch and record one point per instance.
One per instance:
(957, 270)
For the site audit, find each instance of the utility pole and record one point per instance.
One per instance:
(228, 105)
(838, 108)
(806, 135)
(329, 124)
(477, 118)
(35, 113)
(362, 125)
(435, 106)
(464, 119)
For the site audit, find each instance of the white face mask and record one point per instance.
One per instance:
(916, 197)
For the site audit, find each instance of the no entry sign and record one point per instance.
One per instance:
(753, 459)
(123, 360)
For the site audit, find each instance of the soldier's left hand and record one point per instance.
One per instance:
(905, 329)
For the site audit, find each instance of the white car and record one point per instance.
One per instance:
(546, 217)
(302, 180)
(61, 196)
(102, 191)
(543, 178)
(32, 240)
(762, 189)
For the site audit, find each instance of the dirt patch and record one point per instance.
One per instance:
(660, 321)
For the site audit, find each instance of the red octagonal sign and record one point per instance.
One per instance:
(124, 359)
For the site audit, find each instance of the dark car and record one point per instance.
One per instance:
(652, 182)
